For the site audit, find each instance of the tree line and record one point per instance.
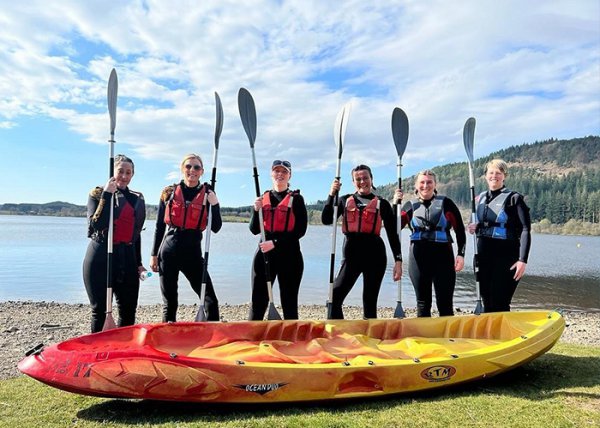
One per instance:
(560, 180)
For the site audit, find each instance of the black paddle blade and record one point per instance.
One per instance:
(273, 315)
(339, 130)
(399, 312)
(400, 130)
(468, 137)
(113, 87)
(247, 114)
(219, 124)
(201, 315)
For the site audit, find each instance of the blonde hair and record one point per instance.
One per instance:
(425, 172)
(499, 164)
(191, 156)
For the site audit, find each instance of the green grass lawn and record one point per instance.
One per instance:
(559, 389)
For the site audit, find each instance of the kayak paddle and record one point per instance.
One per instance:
(248, 116)
(113, 86)
(400, 135)
(339, 132)
(468, 137)
(202, 315)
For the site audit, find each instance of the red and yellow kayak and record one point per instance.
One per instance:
(280, 361)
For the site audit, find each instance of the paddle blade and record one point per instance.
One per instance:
(399, 312)
(339, 129)
(109, 322)
(113, 87)
(468, 137)
(273, 314)
(219, 124)
(201, 315)
(247, 114)
(400, 130)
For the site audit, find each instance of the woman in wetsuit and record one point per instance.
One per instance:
(503, 239)
(182, 214)
(285, 222)
(431, 217)
(128, 219)
(363, 213)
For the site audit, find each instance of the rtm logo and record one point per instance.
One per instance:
(438, 373)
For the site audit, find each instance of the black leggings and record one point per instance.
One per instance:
(432, 262)
(363, 254)
(183, 254)
(496, 282)
(287, 265)
(125, 282)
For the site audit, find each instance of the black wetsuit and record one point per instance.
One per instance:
(180, 250)
(127, 256)
(431, 256)
(285, 261)
(363, 253)
(496, 256)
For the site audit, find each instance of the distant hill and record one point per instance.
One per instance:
(559, 178)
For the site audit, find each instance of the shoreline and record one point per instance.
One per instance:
(25, 324)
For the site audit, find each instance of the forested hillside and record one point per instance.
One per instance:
(560, 180)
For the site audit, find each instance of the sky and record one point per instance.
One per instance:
(527, 71)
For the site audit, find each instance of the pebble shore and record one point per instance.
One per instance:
(24, 325)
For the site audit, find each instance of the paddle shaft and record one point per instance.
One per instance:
(213, 182)
(201, 315)
(113, 85)
(248, 116)
(399, 220)
(334, 231)
(468, 138)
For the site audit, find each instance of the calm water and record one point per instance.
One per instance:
(41, 257)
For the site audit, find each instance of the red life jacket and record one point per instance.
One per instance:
(124, 224)
(362, 220)
(187, 215)
(280, 218)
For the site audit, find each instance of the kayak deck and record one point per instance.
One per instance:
(316, 342)
(285, 361)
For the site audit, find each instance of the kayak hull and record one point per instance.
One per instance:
(285, 361)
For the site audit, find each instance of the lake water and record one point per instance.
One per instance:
(41, 258)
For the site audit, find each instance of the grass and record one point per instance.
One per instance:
(559, 389)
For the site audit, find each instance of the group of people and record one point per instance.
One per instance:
(502, 230)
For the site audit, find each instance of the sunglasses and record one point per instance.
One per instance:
(196, 167)
(284, 163)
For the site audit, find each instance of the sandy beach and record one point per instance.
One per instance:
(26, 324)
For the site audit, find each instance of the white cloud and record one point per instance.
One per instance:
(527, 71)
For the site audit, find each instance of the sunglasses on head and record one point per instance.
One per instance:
(196, 167)
(284, 163)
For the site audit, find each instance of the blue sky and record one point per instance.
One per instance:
(527, 71)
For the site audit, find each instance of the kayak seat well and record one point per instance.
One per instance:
(319, 342)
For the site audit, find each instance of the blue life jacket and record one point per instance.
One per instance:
(430, 223)
(492, 217)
